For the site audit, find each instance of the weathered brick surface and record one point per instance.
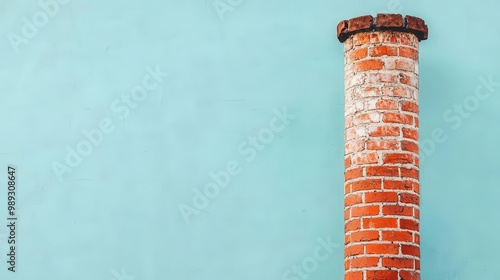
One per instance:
(392, 22)
(418, 26)
(389, 20)
(382, 191)
(359, 23)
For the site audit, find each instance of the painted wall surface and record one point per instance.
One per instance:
(203, 139)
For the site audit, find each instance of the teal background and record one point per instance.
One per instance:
(117, 213)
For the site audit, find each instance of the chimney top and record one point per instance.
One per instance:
(394, 22)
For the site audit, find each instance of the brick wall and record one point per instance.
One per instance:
(382, 191)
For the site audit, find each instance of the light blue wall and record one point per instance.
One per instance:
(230, 76)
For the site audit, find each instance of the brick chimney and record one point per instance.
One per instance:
(382, 191)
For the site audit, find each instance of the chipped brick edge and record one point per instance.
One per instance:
(394, 22)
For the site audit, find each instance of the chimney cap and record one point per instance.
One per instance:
(394, 22)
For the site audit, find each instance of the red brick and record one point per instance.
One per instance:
(417, 25)
(361, 39)
(357, 275)
(389, 37)
(398, 158)
(354, 146)
(364, 262)
(369, 64)
(365, 158)
(360, 23)
(397, 210)
(417, 239)
(383, 50)
(371, 197)
(397, 118)
(409, 106)
(416, 213)
(399, 64)
(397, 91)
(407, 79)
(409, 39)
(409, 224)
(347, 265)
(397, 185)
(347, 188)
(342, 29)
(409, 146)
(385, 104)
(382, 249)
(369, 92)
(409, 275)
(397, 263)
(363, 185)
(371, 117)
(410, 250)
(354, 133)
(393, 23)
(389, 20)
(365, 211)
(357, 54)
(382, 171)
(382, 275)
(409, 198)
(385, 131)
(405, 65)
(347, 162)
(348, 44)
(353, 173)
(347, 214)
(374, 38)
(353, 199)
(351, 225)
(416, 187)
(410, 133)
(408, 52)
(383, 78)
(375, 223)
(382, 144)
(354, 250)
(409, 173)
(394, 235)
(360, 236)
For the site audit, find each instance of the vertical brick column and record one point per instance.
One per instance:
(382, 197)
